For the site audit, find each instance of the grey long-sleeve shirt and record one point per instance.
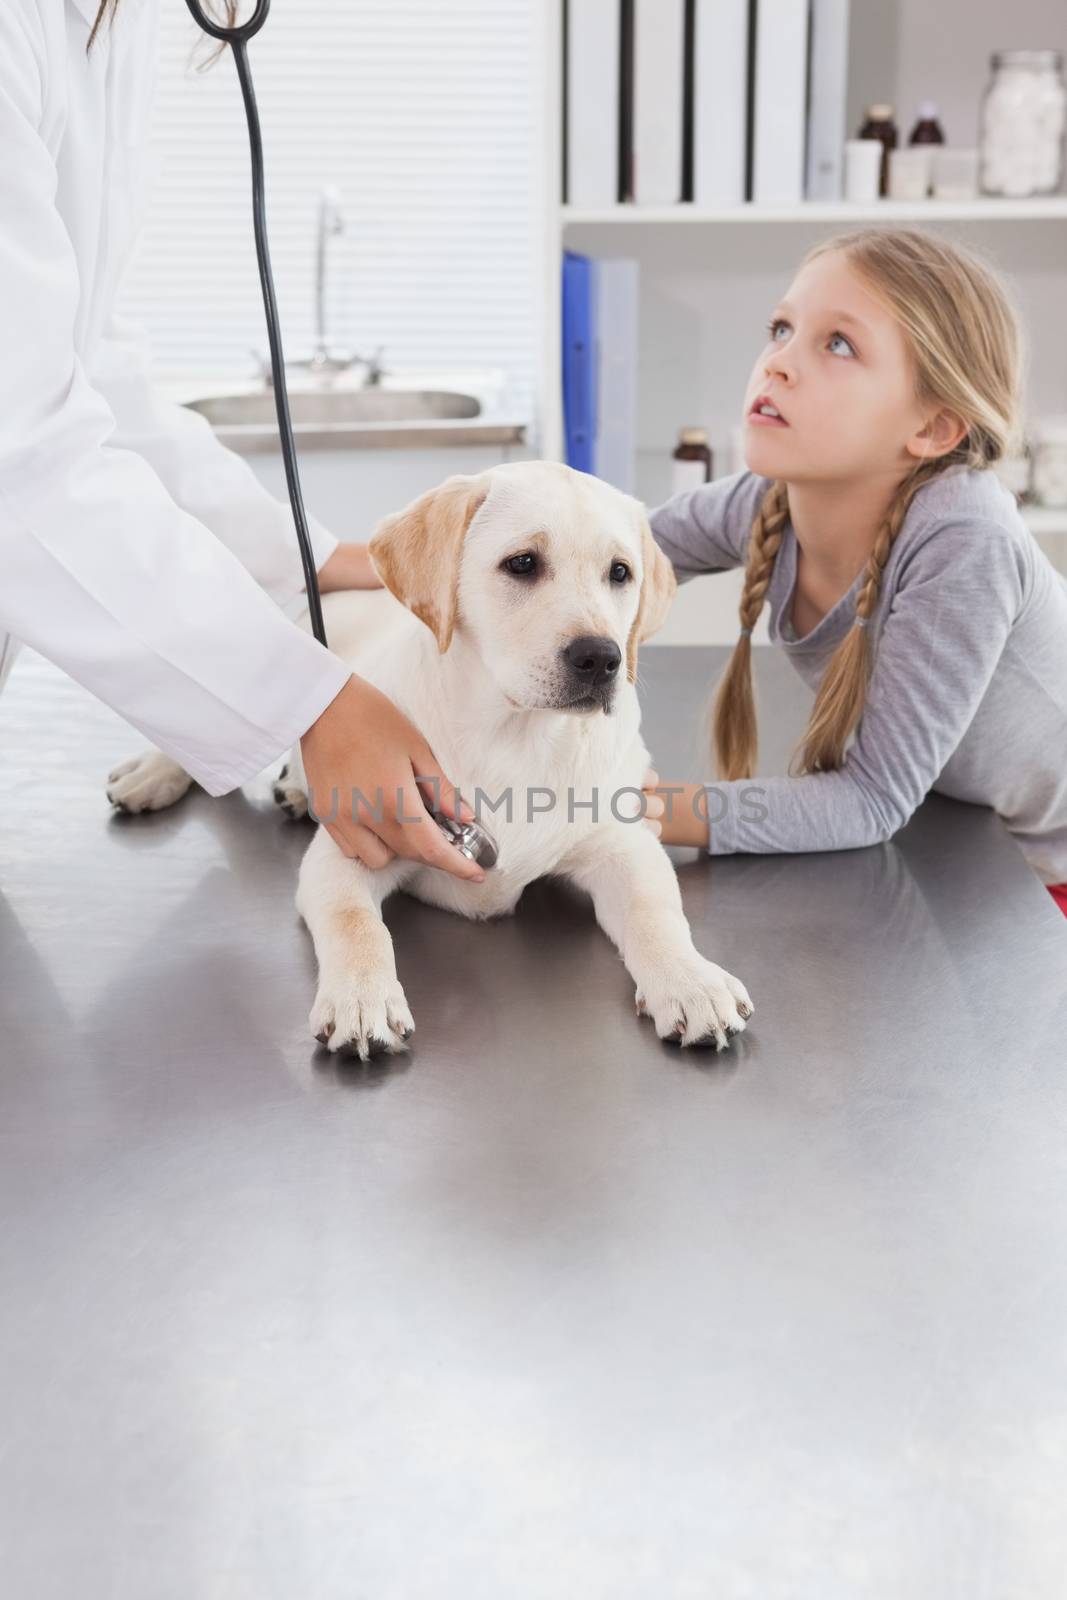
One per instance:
(968, 692)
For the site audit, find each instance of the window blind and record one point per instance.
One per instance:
(423, 115)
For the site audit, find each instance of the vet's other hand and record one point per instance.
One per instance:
(653, 802)
(362, 741)
(349, 567)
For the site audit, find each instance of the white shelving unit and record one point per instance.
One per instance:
(650, 231)
(1049, 208)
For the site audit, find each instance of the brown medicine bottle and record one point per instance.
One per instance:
(692, 460)
(880, 125)
(927, 129)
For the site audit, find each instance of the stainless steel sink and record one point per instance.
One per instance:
(339, 418)
(317, 408)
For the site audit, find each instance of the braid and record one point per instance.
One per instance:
(843, 691)
(734, 712)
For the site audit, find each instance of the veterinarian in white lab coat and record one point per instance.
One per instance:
(136, 552)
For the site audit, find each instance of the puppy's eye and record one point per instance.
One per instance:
(522, 566)
(619, 572)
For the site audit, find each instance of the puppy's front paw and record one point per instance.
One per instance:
(695, 1003)
(150, 782)
(362, 1014)
(288, 796)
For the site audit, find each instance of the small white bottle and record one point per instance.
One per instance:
(691, 461)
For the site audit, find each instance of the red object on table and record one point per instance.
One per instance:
(1058, 891)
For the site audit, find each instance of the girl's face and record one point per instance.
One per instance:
(837, 368)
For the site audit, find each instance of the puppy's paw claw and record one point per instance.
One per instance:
(362, 1015)
(697, 1004)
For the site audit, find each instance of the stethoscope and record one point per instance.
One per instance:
(469, 838)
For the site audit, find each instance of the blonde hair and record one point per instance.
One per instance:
(965, 343)
(109, 7)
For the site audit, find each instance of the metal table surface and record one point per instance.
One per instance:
(546, 1308)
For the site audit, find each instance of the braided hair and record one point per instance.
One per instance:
(965, 343)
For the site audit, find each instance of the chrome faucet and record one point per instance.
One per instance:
(327, 360)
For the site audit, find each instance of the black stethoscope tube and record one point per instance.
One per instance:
(471, 838)
(237, 38)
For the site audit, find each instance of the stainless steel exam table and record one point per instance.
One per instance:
(547, 1308)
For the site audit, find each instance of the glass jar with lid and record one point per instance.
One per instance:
(1022, 122)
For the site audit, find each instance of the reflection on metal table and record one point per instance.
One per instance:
(546, 1307)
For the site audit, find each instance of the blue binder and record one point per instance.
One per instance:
(579, 360)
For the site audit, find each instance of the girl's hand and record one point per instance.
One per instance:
(653, 802)
(686, 822)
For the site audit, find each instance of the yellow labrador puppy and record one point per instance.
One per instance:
(515, 601)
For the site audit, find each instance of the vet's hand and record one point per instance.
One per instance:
(363, 741)
(348, 567)
(653, 802)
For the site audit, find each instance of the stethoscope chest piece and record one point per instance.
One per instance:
(469, 838)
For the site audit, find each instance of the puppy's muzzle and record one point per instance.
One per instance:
(591, 667)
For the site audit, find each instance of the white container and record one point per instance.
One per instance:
(1049, 450)
(1022, 122)
(1014, 473)
(911, 172)
(689, 474)
(955, 173)
(863, 169)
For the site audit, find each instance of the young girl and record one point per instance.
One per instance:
(903, 583)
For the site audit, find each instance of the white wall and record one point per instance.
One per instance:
(942, 52)
(424, 114)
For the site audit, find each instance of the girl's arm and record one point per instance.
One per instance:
(706, 529)
(945, 630)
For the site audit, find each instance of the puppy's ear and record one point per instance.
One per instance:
(658, 588)
(417, 551)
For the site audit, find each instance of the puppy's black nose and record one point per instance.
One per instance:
(593, 661)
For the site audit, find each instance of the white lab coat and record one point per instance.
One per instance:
(136, 551)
